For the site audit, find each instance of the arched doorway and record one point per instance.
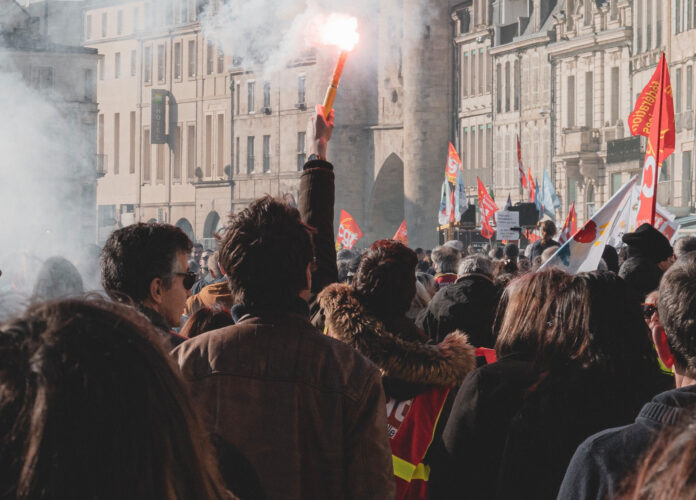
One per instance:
(186, 227)
(386, 210)
(211, 225)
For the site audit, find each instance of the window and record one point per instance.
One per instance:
(480, 71)
(266, 153)
(177, 60)
(221, 145)
(678, 91)
(472, 73)
(465, 74)
(615, 182)
(100, 63)
(133, 62)
(507, 86)
(160, 162)
(687, 179)
(639, 25)
(192, 58)
(88, 27)
(489, 146)
(43, 78)
(100, 134)
(587, 15)
(117, 65)
(480, 153)
(184, 11)
(499, 88)
(572, 190)
(301, 151)
(236, 155)
(590, 203)
(220, 61)
(465, 149)
(689, 88)
(267, 94)
(117, 141)
(147, 156)
(250, 155)
(614, 117)
(176, 171)
(210, 58)
(89, 85)
(658, 25)
(648, 27)
(190, 151)
(589, 98)
(489, 71)
(136, 20)
(192, 10)
(238, 106)
(677, 16)
(160, 63)
(147, 62)
(103, 25)
(250, 97)
(119, 22)
(301, 89)
(131, 145)
(208, 145)
(570, 103)
(516, 84)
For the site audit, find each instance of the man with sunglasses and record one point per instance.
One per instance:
(147, 265)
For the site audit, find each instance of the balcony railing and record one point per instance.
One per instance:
(581, 140)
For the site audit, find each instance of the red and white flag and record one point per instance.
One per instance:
(488, 209)
(348, 231)
(532, 187)
(655, 105)
(570, 227)
(402, 234)
(520, 166)
(454, 164)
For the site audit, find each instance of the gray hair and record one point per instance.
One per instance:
(476, 264)
(445, 259)
(684, 245)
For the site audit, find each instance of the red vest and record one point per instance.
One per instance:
(411, 425)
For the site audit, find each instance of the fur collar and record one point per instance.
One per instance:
(444, 364)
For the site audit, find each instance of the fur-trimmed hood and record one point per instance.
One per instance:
(444, 364)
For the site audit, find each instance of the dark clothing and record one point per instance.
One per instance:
(171, 338)
(640, 273)
(468, 305)
(602, 461)
(204, 282)
(443, 280)
(512, 432)
(539, 246)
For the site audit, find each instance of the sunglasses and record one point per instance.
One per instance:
(189, 279)
(648, 310)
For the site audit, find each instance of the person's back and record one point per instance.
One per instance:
(308, 411)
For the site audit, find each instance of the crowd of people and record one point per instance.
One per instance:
(275, 367)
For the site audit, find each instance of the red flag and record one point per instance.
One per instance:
(454, 163)
(532, 187)
(488, 209)
(520, 166)
(348, 231)
(402, 234)
(531, 236)
(570, 227)
(655, 105)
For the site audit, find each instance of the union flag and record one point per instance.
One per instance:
(488, 209)
(348, 231)
(454, 164)
(570, 227)
(520, 166)
(402, 234)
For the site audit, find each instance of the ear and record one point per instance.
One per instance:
(662, 346)
(156, 289)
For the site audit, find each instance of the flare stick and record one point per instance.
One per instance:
(333, 87)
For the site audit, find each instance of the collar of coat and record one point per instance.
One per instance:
(444, 364)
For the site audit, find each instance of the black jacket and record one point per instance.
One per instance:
(640, 273)
(600, 463)
(467, 305)
(538, 248)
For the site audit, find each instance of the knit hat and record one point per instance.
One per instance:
(456, 244)
(649, 242)
(511, 251)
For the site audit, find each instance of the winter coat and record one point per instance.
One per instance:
(512, 431)
(603, 460)
(640, 273)
(213, 294)
(169, 336)
(538, 248)
(468, 305)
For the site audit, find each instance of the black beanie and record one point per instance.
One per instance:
(511, 251)
(649, 242)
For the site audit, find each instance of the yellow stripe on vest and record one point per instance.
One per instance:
(409, 472)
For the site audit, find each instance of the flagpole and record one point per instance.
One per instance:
(659, 142)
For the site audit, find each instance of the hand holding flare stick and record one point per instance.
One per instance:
(340, 31)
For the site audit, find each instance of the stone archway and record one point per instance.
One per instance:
(386, 209)
(212, 224)
(186, 227)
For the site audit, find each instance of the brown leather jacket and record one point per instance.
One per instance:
(306, 410)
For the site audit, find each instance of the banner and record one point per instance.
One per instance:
(402, 234)
(488, 209)
(460, 201)
(547, 196)
(348, 231)
(520, 166)
(443, 215)
(570, 227)
(655, 105)
(584, 250)
(454, 165)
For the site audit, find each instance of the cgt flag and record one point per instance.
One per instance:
(655, 105)
(454, 165)
(532, 187)
(446, 207)
(584, 250)
(520, 166)
(402, 234)
(570, 227)
(488, 209)
(348, 231)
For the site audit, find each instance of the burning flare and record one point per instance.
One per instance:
(341, 31)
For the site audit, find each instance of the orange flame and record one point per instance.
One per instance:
(340, 30)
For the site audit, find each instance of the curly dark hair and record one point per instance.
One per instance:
(265, 252)
(90, 401)
(135, 255)
(386, 278)
(677, 310)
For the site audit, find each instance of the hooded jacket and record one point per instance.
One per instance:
(601, 462)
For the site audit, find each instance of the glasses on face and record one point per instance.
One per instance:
(189, 279)
(648, 310)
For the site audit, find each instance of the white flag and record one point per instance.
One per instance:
(583, 251)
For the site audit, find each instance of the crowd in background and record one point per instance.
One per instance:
(275, 367)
